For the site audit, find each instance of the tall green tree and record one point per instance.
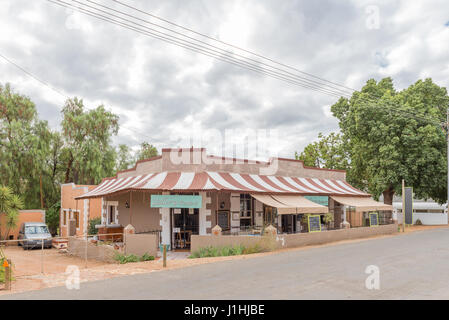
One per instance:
(88, 154)
(146, 151)
(24, 145)
(124, 157)
(328, 152)
(396, 137)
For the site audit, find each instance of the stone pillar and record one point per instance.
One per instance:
(129, 229)
(216, 231)
(270, 230)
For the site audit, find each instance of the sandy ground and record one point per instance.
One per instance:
(27, 265)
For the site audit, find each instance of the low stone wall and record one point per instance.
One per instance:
(139, 244)
(314, 238)
(101, 252)
(294, 240)
(221, 241)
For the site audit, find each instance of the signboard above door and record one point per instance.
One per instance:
(175, 201)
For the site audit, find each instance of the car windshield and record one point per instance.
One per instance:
(36, 229)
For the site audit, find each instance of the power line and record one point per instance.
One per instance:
(210, 45)
(231, 45)
(194, 47)
(226, 43)
(206, 51)
(45, 83)
(33, 76)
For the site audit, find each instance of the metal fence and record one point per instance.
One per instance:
(33, 259)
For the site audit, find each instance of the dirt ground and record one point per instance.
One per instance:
(28, 265)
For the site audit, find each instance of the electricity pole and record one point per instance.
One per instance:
(447, 156)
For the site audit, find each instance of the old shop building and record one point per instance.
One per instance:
(185, 192)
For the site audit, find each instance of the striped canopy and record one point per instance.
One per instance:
(223, 181)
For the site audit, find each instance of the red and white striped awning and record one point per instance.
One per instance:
(223, 181)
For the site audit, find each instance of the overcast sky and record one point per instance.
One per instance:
(161, 91)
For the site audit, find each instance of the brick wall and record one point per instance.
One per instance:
(77, 247)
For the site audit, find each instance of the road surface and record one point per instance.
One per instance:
(411, 266)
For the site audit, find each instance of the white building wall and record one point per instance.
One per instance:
(426, 218)
(165, 224)
(430, 218)
(204, 213)
(235, 211)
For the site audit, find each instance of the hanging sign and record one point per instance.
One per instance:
(175, 201)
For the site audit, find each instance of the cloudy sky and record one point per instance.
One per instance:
(162, 92)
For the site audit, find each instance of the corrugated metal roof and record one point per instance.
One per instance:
(210, 181)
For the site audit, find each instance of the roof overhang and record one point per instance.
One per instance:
(291, 204)
(223, 181)
(362, 203)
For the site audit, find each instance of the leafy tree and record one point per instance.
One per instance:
(397, 137)
(52, 217)
(23, 146)
(10, 204)
(124, 157)
(328, 152)
(146, 151)
(88, 154)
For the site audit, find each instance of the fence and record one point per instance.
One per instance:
(81, 251)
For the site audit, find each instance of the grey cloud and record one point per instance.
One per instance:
(327, 38)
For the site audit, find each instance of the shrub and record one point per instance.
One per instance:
(224, 251)
(254, 249)
(418, 222)
(146, 257)
(92, 223)
(122, 259)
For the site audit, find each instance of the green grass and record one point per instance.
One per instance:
(224, 251)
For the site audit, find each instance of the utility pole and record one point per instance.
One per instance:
(403, 205)
(447, 156)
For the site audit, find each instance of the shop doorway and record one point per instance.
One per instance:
(288, 223)
(269, 216)
(185, 223)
